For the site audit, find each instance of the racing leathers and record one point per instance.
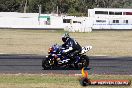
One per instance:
(72, 48)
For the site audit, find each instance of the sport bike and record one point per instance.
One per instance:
(56, 58)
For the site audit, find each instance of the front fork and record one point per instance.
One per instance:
(50, 61)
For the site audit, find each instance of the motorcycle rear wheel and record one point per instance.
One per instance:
(84, 62)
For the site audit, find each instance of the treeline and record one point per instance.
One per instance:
(70, 7)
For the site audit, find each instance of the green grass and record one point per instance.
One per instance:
(26, 78)
(51, 81)
(111, 43)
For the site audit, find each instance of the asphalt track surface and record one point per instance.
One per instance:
(31, 64)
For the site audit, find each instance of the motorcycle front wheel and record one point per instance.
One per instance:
(45, 64)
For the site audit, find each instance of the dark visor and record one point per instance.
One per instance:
(64, 39)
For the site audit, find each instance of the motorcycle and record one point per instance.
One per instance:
(56, 58)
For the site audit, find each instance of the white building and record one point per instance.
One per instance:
(98, 18)
(30, 20)
(102, 18)
(110, 18)
(77, 24)
(42, 21)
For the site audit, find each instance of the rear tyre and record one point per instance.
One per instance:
(84, 62)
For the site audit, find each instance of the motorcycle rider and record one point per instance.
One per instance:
(72, 47)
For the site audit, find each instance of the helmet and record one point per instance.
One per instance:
(65, 37)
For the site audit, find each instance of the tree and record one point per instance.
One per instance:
(76, 7)
(9, 5)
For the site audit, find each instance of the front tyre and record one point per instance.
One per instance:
(45, 64)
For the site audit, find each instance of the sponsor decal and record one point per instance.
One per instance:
(85, 81)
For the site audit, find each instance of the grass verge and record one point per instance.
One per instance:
(111, 43)
(51, 81)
